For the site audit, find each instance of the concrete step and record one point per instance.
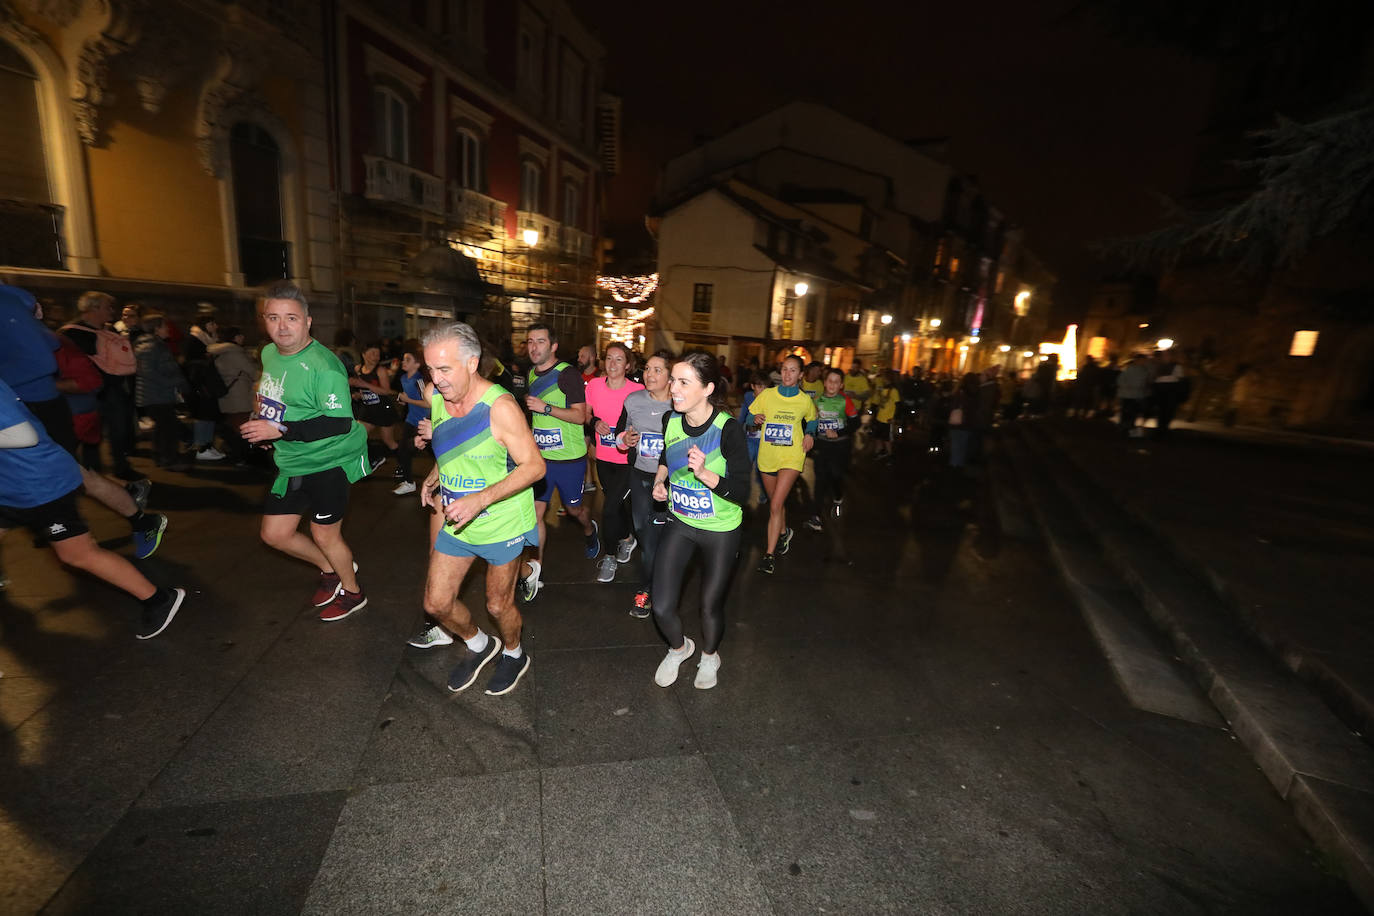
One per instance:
(1312, 759)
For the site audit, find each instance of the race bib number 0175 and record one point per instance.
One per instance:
(650, 445)
(690, 502)
(777, 433)
(548, 439)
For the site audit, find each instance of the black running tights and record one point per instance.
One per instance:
(832, 464)
(645, 512)
(719, 550)
(615, 506)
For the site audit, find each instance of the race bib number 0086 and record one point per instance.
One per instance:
(607, 440)
(690, 502)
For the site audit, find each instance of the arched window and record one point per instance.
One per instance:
(531, 186)
(255, 161)
(471, 165)
(390, 124)
(30, 227)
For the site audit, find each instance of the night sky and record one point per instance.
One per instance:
(1070, 132)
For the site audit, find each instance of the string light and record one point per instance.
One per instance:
(629, 289)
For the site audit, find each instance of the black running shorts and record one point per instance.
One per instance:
(52, 521)
(321, 497)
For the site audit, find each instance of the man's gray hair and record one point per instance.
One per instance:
(469, 344)
(285, 289)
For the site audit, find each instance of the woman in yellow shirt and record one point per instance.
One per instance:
(884, 401)
(787, 416)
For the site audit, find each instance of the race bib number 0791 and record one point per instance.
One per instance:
(272, 411)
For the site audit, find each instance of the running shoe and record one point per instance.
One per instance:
(588, 487)
(643, 607)
(814, 523)
(138, 490)
(626, 549)
(156, 618)
(606, 570)
(343, 604)
(399, 473)
(839, 505)
(431, 636)
(767, 564)
(406, 487)
(763, 499)
(528, 586)
(376, 463)
(461, 677)
(785, 541)
(148, 540)
(209, 453)
(508, 673)
(707, 666)
(594, 542)
(329, 587)
(666, 675)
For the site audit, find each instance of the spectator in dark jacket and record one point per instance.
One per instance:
(159, 382)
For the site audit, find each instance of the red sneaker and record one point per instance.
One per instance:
(344, 603)
(329, 587)
(643, 606)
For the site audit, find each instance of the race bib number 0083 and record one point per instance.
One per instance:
(548, 439)
(690, 502)
(777, 433)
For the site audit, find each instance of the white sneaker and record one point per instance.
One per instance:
(707, 667)
(588, 487)
(626, 549)
(209, 453)
(407, 486)
(666, 674)
(431, 635)
(606, 570)
(528, 586)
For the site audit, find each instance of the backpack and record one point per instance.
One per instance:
(114, 355)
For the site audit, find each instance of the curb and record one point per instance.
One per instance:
(1311, 758)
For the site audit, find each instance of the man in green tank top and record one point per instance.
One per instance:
(485, 463)
(557, 402)
(303, 408)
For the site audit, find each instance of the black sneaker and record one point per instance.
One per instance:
(138, 490)
(767, 564)
(508, 673)
(461, 677)
(814, 523)
(594, 542)
(157, 617)
(785, 541)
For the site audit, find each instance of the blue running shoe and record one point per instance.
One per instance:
(508, 673)
(594, 542)
(146, 542)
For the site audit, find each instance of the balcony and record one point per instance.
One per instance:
(31, 235)
(548, 229)
(472, 208)
(575, 243)
(395, 183)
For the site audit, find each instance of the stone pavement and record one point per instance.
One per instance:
(930, 730)
(1250, 554)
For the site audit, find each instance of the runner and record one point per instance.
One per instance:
(788, 418)
(640, 429)
(372, 391)
(811, 382)
(606, 398)
(412, 400)
(885, 400)
(856, 384)
(303, 409)
(837, 417)
(485, 463)
(757, 383)
(558, 409)
(704, 475)
(587, 366)
(39, 483)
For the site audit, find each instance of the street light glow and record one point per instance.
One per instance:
(1005, 348)
(801, 287)
(1164, 343)
(887, 319)
(531, 237)
(1027, 354)
(935, 322)
(906, 338)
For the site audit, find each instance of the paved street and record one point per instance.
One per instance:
(929, 730)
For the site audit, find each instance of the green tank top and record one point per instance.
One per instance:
(558, 440)
(470, 459)
(690, 499)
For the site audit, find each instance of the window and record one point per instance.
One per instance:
(255, 163)
(572, 205)
(471, 165)
(530, 66)
(1304, 343)
(23, 170)
(390, 124)
(702, 294)
(531, 186)
(571, 93)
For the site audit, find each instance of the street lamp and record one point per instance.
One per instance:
(887, 319)
(800, 287)
(530, 237)
(1164, 343)
(935, 322)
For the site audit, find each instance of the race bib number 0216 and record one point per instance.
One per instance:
(691, 502)
(777, 433)
(548, 439)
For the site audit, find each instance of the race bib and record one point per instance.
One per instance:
(607, 440)
(650, 445)
(273, 412)
(370, 397)
(829, 423)
(777, 433)
(548, 439)
(692, 502)
(448, 495)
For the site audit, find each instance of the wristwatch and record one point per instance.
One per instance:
(548, 409)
